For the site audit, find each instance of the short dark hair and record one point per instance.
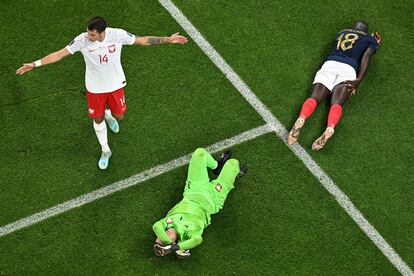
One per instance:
(361, 26)
(97, 23)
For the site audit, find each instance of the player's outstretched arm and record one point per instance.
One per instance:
(51, 58)
(353, 84)
(155, 40)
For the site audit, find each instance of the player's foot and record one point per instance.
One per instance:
(104, 160)
(294, 133)
(182, 254)
(321, 141)
(243, 170)
(220, 163)
(113, 124)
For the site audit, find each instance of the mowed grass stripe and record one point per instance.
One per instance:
(281, 131)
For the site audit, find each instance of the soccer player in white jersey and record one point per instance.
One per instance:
(104, 78)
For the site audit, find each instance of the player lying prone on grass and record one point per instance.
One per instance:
(338, 78)
(184, 224)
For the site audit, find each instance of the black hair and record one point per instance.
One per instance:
(97, 23)
(361, 26)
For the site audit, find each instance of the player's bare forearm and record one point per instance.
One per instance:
(156, 40)
(54, 57)
(353, 84)
(51, 58)
(365, 63)
(151, 40)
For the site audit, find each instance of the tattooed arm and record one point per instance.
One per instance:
(155, 40)
(151, 40)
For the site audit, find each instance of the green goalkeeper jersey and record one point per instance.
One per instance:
(188, 219)
(201, 199)
(192, 215)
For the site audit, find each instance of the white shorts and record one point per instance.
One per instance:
(334, 72)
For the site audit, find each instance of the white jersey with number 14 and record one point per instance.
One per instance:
(104, 71)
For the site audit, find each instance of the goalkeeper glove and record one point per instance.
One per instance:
(182, 254)
(377, 37)
(160, 250)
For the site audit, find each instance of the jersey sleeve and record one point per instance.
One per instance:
(193, 241)
(372, 43)
(76, 44)
(159, 230)
(126, 38)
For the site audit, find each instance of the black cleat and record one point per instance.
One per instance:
(223, 159)
(243, 170)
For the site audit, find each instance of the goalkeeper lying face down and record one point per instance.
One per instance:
(184, 224)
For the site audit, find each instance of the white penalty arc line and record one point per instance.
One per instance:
(131, 181)
(281, 131)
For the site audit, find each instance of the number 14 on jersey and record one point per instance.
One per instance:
(103, 58)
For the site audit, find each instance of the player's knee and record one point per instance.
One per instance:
(119, 117)
(234, 163)
(199, 153)
(338, 102)
(98, 120)
(340, 94)
(316, 99)
(319, 92)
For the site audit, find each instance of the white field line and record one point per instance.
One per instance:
(131, 181)
(281, 131)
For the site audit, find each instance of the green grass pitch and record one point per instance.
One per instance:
(279, 219)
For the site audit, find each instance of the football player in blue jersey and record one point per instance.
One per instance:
(340, 75)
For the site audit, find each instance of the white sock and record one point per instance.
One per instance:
(101, 133)
(108, 115)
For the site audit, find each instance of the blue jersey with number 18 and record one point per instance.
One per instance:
(350, 45)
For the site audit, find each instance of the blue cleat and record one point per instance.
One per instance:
(113, 125)
(104, 160)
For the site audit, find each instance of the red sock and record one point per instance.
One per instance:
(308, 108)
(334, 115)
